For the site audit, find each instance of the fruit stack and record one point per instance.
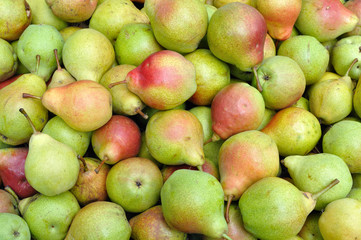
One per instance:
(180, 119)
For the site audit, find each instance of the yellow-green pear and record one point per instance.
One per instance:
(311, 230)
(8, 61)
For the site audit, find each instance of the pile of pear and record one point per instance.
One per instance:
(180, 119)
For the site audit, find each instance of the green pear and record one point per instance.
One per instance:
(73, 11)
(329, 45)
(59, 130)
(15, 17)
(51, 167)
(210, 10)
(88, 54)
(342, 55)
(203, 113)
(109, 18)
(313, 172)
(134, 184)
(174, 137)
(341, 220)
(220, 3)
(14, 129)
(302, 103)
(135, 43)
(355, 193)
(68, 31)
(100, 220)
(8, 61)
(21, 69)
(49, 217)
(42, 14)
(296, 131)
(61, 76)
(357, 99)
(343, 139)
(144, 151)
(280, 80)
(40, 40)
(356, 180)
(211, 151)
(273, 208)
(13, 227)
(178, 25)
(309, 53)
(311, 230)
(211, 76)
(199, 196)
(229, 35)
(268, 115)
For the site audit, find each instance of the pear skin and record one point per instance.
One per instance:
(73, 11)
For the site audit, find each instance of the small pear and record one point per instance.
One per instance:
(51, 167)
(61, 76)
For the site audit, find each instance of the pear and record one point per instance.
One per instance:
(311, 230)
(355, 193)
(269, 49)
(14, 129)
(40, 40)
(343, 139)
(59, 130)
(272, 79)
(151, 224)
(325, 20)
(203, 113)
(100, 220)
(268, 115)
(245, 158)
(302, 103)
(49, 217)
(331, 100)
(9, 60)
(51, 167)
(15, 17)
(42, 14)
(220, 3)
(88, 54)
(9, 201)
(309, 53)
(174, 137)
(73, 11)
(354, 6)
(61, 76)
(135, 43)
(20, 69)
(341, 220)
(144, 151)
(211, 76)
(109, 18)
(68, 31)
(295, 130)
(307, 175)
(280, 16)
(13, 227)
(273, 208)
(178, 25)
(200, 197)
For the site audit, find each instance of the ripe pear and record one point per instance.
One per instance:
(200, 197)
(14, 129)
(354, 6)
(151, 224)
(8, 201)
(174, 137)
(13, 227)
(236, 34)
(343, 139)
(178, 25)
(273, 208)
(73, 11)
(88, 54)
(100, 220)
(269, 49)
(51, 167)
(311, 230)
(8, 61)
(49, 217)
(325, 19)
(61, 76)
(15, 17)
(313, 172)
(295, 130)
(341, 220)
(40, 40)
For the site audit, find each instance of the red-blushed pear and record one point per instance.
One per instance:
(245, 158)
(12, 172)
(325, 19)
(280, 16)
(9, 201)
(151, 224)
(90, 186)
(355, 7)
(236, 108)
(118, 139)
(163, 81)
(236, 34)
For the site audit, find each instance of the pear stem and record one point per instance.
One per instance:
(225, 236)
(328, 187)
(215, 137)
(83, 162)
(139, 111)
(229, 201)
(28, 95)
(352, 64)
(259, 87)
(116, 83)
(37, 64)
(200, 168)
(57, 59)
(101, 164)
(29, 120)
(12, 193)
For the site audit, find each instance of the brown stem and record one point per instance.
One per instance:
(139, 111)
(84, 163)
(101, 164)
(116, 83)
(57, 58)
(28, 95)
(259, 87)
(328, 187)
(229, 201)
(352, 64)
(29, 120)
